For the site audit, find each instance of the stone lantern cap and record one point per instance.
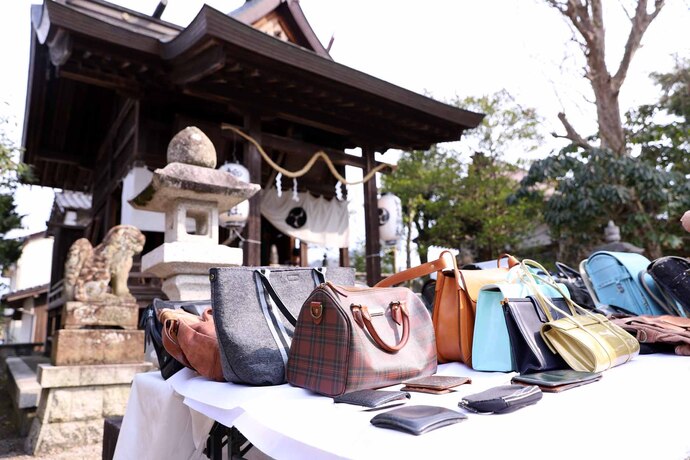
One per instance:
(179, 180)
(190, 174)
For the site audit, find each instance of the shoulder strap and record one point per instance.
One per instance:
(446, 261)
(666, 304)
(276, 299)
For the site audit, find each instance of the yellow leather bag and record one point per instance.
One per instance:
(455, 301)
(586, 341)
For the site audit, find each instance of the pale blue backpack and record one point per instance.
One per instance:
(613, 278)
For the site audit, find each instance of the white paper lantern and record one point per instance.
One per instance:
(390, 219)
(237, 216)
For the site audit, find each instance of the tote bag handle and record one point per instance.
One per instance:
(545, 303)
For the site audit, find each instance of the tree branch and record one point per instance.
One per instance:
(640, 22)
(571, 134)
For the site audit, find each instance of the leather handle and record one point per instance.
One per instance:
(361, 313)
(446, 260)
(512, 260)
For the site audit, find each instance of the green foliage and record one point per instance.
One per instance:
(11, 172)
(359, 260)
(464, 206)
(644, 192)
(422, 180)
(661, 131)
(479, 217)
(508, 127)
(589, 188)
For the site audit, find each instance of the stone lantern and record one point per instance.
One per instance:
(190, 191)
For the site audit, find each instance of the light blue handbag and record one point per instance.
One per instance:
(491, 350)
(614, 278)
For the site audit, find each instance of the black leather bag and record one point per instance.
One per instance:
(524, 320)
(572, 279)
(153, 330)
(672, 277)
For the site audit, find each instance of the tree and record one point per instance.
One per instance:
(420, 181)
(639, 191)
(463, 206)
(11, 172)
(591, 187)
(479, 217)
(587, 20)
(661, 131)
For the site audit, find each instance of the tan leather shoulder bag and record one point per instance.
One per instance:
(455, 301)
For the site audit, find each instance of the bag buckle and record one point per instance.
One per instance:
(316, 310)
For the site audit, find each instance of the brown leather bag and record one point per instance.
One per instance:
(455, 301)
(663, 329)
(192, 340)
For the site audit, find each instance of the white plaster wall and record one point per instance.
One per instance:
(33, 266)
(147, 221)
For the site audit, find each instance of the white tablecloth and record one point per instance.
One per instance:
(637, 410)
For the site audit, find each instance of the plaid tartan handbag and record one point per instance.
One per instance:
(349, 338)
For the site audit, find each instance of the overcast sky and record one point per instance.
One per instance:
(445, 48)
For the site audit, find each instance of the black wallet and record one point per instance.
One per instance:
(373, 398)
(417, 419)
(555, 381)
(501, 399)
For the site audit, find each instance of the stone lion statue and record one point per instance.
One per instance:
(100, 273)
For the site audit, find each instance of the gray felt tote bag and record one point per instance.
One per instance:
(255, 311)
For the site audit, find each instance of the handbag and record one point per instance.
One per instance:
(524, 319)
(572, 280)
(491, 344)
(192, 341)
(153, 330)
(586, 341)
(672, 277)
(614, 280)
(351, 338)
(455, 301)
(657, 330)
(255, 311)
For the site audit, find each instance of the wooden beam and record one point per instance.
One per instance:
(306, 149)
(96, 78)
(371, 222)
(344, 257)
(303, 254)
(252, 161)
(199, 66)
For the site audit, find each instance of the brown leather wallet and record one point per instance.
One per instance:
(435, 384)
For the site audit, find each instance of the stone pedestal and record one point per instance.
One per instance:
(89, 314)
(97, 346)
(74, 402)
(184, 265)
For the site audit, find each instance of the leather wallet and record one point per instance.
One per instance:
(557, 380)
(501, 399)
(417, 419)
(373, 398)
(436, 382)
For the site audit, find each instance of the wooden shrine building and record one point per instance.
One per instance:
(109, 87)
